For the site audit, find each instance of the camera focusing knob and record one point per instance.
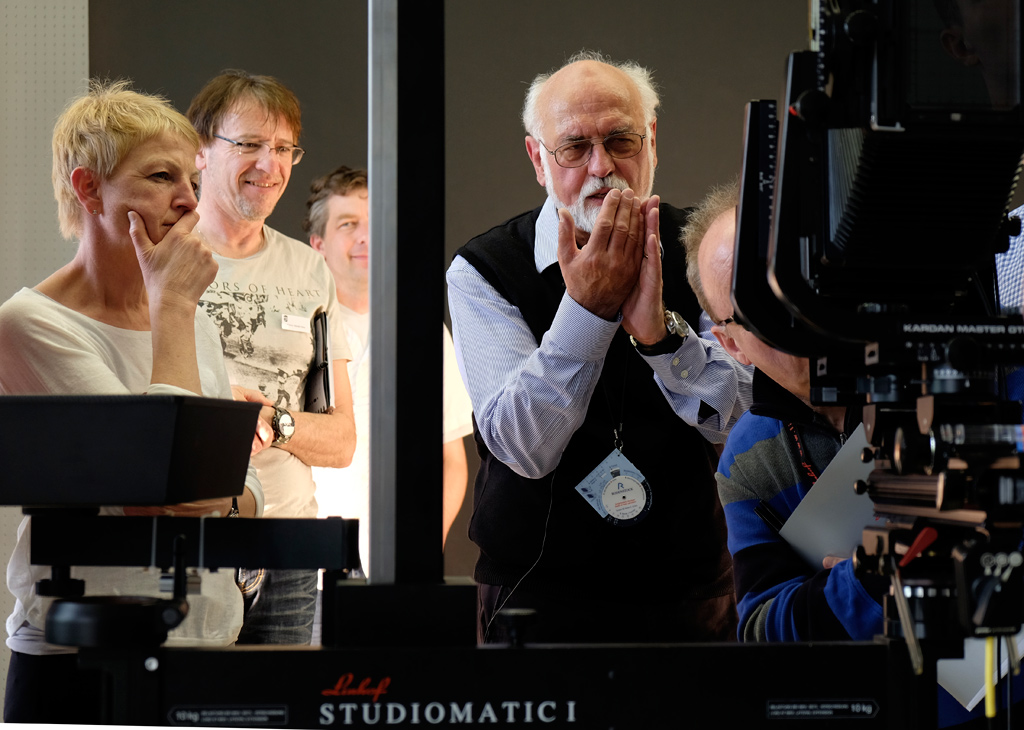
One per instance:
(860, 27)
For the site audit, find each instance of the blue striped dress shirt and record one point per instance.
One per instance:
(529, 400)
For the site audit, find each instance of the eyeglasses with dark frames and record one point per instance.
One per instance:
(254, 148)
(621, 146)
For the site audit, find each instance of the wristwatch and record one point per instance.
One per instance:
(678, 331)
(283, 424)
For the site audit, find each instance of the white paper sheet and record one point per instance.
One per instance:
(965, 678)
(831, 519)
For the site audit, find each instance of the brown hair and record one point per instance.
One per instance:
(215, 100)
(341, 181)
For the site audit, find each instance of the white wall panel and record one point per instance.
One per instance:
(45, 62)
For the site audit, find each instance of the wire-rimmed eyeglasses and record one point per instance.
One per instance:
(577, 153)
(253, 148)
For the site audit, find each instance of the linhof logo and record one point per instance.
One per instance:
(365, 703)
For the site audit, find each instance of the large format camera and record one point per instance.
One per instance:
(874, 202)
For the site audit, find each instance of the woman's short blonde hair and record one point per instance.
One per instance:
(98, 130)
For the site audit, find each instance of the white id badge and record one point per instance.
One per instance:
(617, 490)
(294, 323)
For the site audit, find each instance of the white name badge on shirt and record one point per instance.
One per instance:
(294, 323)
(617, 490)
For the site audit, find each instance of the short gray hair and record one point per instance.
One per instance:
(639, 75)
(719, 200)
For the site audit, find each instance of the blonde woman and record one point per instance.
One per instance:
(120, 318)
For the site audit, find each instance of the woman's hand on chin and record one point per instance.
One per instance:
(180, 267)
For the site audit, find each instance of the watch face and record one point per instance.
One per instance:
(285, 423)
(676, 324)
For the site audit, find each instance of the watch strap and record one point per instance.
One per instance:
(279, 436)
(677, 331)
(666, 346)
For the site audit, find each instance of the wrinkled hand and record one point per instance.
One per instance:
(643, 312)
(180, 267)
(600, 275)
(264, 436)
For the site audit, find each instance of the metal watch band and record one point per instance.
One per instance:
(677, 330)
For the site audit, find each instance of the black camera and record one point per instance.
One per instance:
(874, 201)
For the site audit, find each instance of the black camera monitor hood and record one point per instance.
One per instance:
(87, 451)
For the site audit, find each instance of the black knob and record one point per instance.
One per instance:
(812, 106)
(860, 27)
(962, 353)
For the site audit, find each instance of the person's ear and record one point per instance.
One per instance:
(201, 159)
(730, 345)
(953, 42)
(653, 141)
(535, 149)
(86, 184)
(316, 243)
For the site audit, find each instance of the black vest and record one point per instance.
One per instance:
(679, 548)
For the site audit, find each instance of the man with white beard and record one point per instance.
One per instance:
(596, 405)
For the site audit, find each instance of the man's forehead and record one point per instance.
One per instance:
(717, 284)
(570, 124)
(350, 200)
(715, 262)
(247, 116)
(575, 101)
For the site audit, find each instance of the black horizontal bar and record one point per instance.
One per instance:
(69, 539)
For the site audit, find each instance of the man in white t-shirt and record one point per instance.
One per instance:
(338, 224)
(267, 290)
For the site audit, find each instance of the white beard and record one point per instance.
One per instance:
(583, 215)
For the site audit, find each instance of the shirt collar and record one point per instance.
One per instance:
(545, 247)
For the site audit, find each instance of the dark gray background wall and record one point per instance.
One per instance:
(709, 58)
(315, 47)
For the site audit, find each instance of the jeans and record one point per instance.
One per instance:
(279, 606)
(318, 621)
